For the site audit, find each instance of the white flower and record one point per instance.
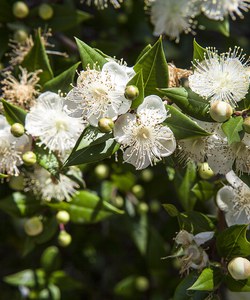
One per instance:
(101, 4)
(234, 200)
(241, 154)
(172, 17)
(43, 184)
(49, 120)
(11, 149)
(100, 94)
(221, 77)
(218, 9)
(142, 136)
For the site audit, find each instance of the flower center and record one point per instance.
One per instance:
(99, 91)
(61, 125)
(143, 134)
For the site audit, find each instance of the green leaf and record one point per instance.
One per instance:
(144, 51)
(237, 285)
(89, 56)
(232, 242)
(29, 278)
(86, 207)
(64, 281)
(51, 259)
(203, 190)
(199, 51)
(154, 69)
(182, 126)
(51, 292)
(195, 222)
(139, 234)
(189, 102)
(209, 280)
(13, 113)
(137, 80)
(126, 287)
(216, 25)
(171, 210)
(62, 81)
(232, 129)
(37, 59)
(19, 205)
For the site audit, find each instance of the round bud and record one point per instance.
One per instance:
(118, 201)
(29, 158)
(154, 206)
(220, 111)
(17, 129)
(239, 268)
(147, 175)
(106, 125)
(20, 35)
(33, 226)
(63, 217)
(16, 183)
(45, 11)
(246, 125)
(102, 171)
(64, 238)
(205, 171)
(142, 208)
(20, 9)
(141, 283)
(131, 92)
(138, 191)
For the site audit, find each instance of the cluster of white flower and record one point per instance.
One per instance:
(172, 17)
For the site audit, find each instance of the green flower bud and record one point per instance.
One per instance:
(20, 35)
(106, 125)
(33, 226)
(155, 206)
(138, 191)
(118, 201)
(63, 217)
(205, 171)
(20, 9)
(131, 92)
(220, 111)
(17, 129)
(239, 268)
(16, 183)
(142, 208)
(64, 238)
(45, 11)
(246, 125)
(29, 158)
(102, 171)
(141, 283)
(147, 175)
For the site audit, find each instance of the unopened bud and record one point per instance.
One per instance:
(118, 201)
(147, 175)
(220, 111)
(17, 129)
(106, 125)
(138, 191)
(102, 171)
(20, 35)
(20, 9)
(131, 92)
(141, 283)
(205, 171)
(64, 238)
(45, 11)
(33, 226)
(63, 217)
(29, 158)
(154, 206)
(246, 125)
(142, 208)
(239, 268)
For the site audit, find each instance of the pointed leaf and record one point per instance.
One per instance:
(29, 278)
(209, 280)
(137, 80)
(13, 114)
(232, 129)
(204, 190)
(199, 52)
(171, 210)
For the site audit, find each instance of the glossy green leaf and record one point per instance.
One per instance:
(171, 210)
(37, 59)
(154, 69)
(89, 56)
(232, 242)
(29, 278)
(199, 51)
(13, 113)
(216, 25)
(204, 190)
(232, 129)
(19, 205)
(237, 285)
(182, 126)
(64, 281)
(86, 207)
(209, 280)
(51, 259)
(189, 102)
(144, 51)
(137, 80)
(140, 234)
(63, 81)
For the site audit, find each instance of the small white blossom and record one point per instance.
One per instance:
(234, 200)
(173, 17)
(100, 93)
(46, 186)
(11, 149)
(221, 77)
(142, 137)
(241, 154)
(101, 4)
(49, 121)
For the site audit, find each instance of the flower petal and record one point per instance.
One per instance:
(225, 197)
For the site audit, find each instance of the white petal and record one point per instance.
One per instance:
(203, 237)
(224, 198)
(136, 158)
(167, 142)
(117, 72)
(235, 181)
(121, 123)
